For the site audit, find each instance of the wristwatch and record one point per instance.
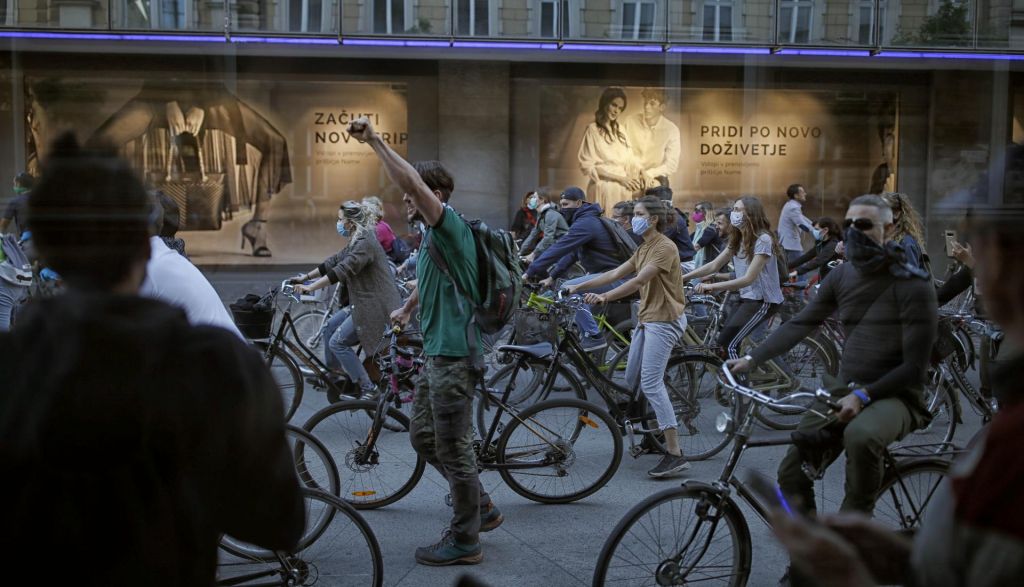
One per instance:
(862, 396)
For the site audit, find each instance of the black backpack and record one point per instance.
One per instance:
(624, 244)
(399, 251)
(500, 277)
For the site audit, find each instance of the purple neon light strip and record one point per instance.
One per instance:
(111, 36)
(504, 45)
(615, 48)
(393, 43)
(286, 40)
(825, 52)
(927, 55)
(721, 50)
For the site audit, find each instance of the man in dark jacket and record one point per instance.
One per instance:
(130, 441)
(680, 233)
(588, 243)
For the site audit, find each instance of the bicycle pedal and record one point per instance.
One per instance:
(636, 451)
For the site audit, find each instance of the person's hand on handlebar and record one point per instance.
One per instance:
(705, 288)
(849, 407)
(547, 282)
(300, 289)
(741, 365)
(594, 299)
(298, 278)
(401, 316)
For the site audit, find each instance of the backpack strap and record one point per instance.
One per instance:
(471, 336)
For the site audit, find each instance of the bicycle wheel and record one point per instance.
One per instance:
(625, 329)
(615, 369)
(337, 547)
(288, 379)
(698, 398)
(907, 491)
(559, 451)
(313, 462)
(680, 536)
(806, 363)
(526, 383)
(308, 326)
(372, 476)
(940, 400)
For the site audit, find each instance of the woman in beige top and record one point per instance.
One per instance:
(661, 319)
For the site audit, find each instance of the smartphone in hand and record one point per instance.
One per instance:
(950, 236)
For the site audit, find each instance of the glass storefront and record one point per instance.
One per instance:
(844, 97)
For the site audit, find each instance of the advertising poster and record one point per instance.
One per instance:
(258, 170)
(719, 144)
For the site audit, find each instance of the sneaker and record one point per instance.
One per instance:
(369, 393)
(490, 517)
(593, 343)
(669, 465)
(448, 552)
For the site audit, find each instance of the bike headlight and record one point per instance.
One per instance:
(724, 423)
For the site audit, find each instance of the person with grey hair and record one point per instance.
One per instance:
(888, 312)
(362, 269)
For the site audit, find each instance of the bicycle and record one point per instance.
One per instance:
(337, 547)
(697, 532)
(538, 447)
(560, 357)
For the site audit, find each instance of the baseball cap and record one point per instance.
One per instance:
(573, 193)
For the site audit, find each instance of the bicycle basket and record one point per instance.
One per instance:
(253, 323)
(945, 344)
(532, 327)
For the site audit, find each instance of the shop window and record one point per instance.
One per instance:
(717, 20)
(309, 16)
(158, 14)
(475, 17)
(550, 22)
(638, 17)
(796, 17)
(392, 16)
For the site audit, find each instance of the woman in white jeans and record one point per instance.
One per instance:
(661, 318)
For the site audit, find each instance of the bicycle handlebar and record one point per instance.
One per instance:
(818, 394)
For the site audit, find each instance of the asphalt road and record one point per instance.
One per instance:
(543, 545)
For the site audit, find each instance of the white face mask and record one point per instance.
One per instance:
(640, 225)
(736, 218)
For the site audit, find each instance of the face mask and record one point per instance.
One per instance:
(640, 225)
(736, 218)
(698, 217)
(20, 190)
(532, 203)
(569, 214)
(865, 254)
(342, 230)
(817, 233)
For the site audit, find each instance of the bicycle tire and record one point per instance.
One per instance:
(314, 464)
(334, 557)
(907, 491)
(941, 403)
(539, 430)
(287, 377)
(530, 393)
(808, 361)
(703, 505)
(625, 328)
(697, 397)
(308, 325)
(344, 428)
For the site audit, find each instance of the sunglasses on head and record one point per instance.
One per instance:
(861, 224)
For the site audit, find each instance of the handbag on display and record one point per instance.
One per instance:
(200, 196)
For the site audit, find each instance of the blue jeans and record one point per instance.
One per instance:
(649, 351)
(10, 296)
(584, 318)
(340, 336)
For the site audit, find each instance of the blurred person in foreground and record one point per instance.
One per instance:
(973, 529)
(130, 441)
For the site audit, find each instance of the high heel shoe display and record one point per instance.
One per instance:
(255, 232)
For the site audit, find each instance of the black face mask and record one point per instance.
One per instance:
(865, 254)
(569, 214)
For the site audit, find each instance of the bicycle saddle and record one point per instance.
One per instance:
(541, 350)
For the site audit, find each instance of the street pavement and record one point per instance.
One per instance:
(544, 545)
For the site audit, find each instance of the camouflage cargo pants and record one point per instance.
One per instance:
(442, 433)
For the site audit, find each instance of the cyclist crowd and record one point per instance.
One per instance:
(117, 242)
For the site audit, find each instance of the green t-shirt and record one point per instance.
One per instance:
(444, 313)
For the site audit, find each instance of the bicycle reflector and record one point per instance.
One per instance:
(724, 423)
(586, 420)
(364, 493)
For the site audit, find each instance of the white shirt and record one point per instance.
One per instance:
(657, 147)
(172, 278)
(790, 220)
